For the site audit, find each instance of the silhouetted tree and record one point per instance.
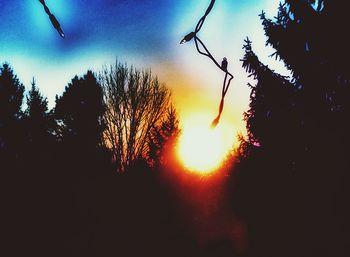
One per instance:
(34, 180)
(136, 103)
(12, 153)
(162, 136)
(39, 121)
(55, 203)
(293, 177)
(11, 97)
(79, 112)
(266, 110)
(81, 162)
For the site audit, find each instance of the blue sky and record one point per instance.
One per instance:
(142, 33)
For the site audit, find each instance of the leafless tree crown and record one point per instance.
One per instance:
(136, 102)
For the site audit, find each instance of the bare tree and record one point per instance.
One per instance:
(135, 102)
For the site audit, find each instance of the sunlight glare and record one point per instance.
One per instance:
(202, 149)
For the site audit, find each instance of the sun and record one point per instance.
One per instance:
(202, 149)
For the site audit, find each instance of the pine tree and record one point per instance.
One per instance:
(11, 97)
(39, 121)
(298, 134)
(11, 151)
(79, 116)
(162, 137)
(79, 112)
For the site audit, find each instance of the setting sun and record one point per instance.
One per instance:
(202, 149)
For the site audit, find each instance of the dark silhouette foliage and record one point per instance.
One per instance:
(292, 186)
(79, 112)
(62, 194)
(11, 97)
(162, 136)
(39, 121)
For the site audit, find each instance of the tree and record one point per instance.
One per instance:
(11, 152)
(136, 103)
(79, 112)
(39, 121)
(162, 136)
(298, 135)
(267, 113)
(11, 97)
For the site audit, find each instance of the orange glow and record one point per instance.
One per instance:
(202, 149)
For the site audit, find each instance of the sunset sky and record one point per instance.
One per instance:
(145, 34)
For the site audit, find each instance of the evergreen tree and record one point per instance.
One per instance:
(79, 115)
(297, 147)
(79, 112)
(162, 137)
(11, 97)
(39, 121)
(11, 156)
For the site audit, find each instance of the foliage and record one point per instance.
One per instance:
(297, 126)
(162, 136)
(38, 120)
(79, 112)
(61, 189)
(11, 97)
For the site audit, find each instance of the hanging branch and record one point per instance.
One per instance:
(199, 43)
(53, 19)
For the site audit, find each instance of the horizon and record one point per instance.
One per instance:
(34, 49)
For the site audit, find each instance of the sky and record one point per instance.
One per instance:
(145, 34)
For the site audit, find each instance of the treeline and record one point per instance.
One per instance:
(293, 183)
(291, 186)
(124, 114)
(81, 179)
